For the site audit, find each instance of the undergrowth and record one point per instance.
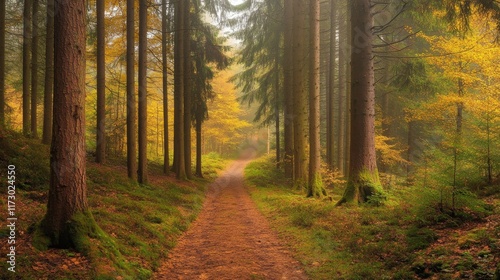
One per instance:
(140, 223)
(369, 242)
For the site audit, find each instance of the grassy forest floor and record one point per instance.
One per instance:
(409, 238)
(142, 222)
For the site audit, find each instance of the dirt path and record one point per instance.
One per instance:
(230, 239)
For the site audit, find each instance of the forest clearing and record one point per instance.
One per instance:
(250, 139)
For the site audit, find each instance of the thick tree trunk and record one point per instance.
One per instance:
(131, 109)
(2, 64)
(34, 70)
(67, 219)
(27, 35)
(164, 51)
(315, 186)
(49, 74)
(188, 96)
(299, 93)
(179, 60)
(330, 100)
(142, 175)
(288, 89)
(101, 85)
(363, 180)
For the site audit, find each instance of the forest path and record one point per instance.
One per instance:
(230, 239)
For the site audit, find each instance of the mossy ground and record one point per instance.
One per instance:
(137, 224)
(401, 240)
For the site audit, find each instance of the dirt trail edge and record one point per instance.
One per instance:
(230, 239)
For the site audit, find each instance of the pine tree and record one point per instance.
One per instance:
(164, 51)
(49, 74)
(67, 216)
(27, 34)
(315, 184)
(179, 71)
(142, 80)
(299, 92)
(131, 106)
(101, 84)
(363, 179)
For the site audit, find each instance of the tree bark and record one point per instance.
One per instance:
(67, 203)
(101, 84)
(277, 112)
(299, 93)
(347, 132)
(199, 121)
(330, 114)
(2, 64)
(188, 96)
(143, 109)
(341, 115)
(458, 138)
(34, 70)
(179, 60)
(131, 109)
(27, 35)
(49, 74)
(315, 186)
(164, 51)
(363, 180)
(288, 89)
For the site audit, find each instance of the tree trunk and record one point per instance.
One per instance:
(347, 140)
(330, 114)
(179, 60)
(101, 85)
(277, 111)
(385, 108)
(410, 153)
(363, 180)
(2, 64)
(49, 74)
(341, 119)
(288, 89)
(187, 89)
(131, 109)
(315, 186)
(67, 219)
(164, 51)
(458, 139)
(299, 93)
(143, 109)
(489, 164)
(199, 121)
(34, 70)
(27, 35)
